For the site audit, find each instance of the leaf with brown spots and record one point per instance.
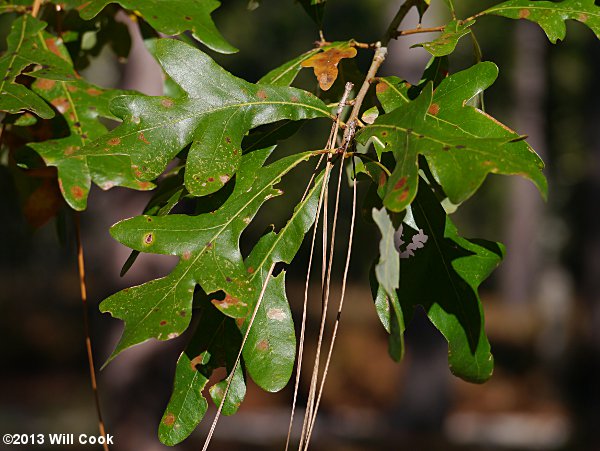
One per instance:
(325, 64)
(461, 143)
(178, 17)
(217, 112)
(551, 16)
(143, 307)
(215, 344)
(82, 105)
(25, 50)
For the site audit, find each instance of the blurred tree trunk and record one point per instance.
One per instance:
(524, 206)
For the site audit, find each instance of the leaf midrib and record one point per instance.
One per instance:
(193, 262)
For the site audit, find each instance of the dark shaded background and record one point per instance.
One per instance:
(542, 306)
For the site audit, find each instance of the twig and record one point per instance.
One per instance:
(378, 59)
(350, 130)
(397, 20)
(35, 9)
(340, 305)
(420, 30)
(329, 149)
(86, 327)
(237, 360)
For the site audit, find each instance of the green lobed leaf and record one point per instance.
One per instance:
(551, 16)
(385, 305)
(208, 247)
(270, 350)
(175, 18)
(215, 344)
(25, 47)
(81, 104)
(218, 111)
(387, 269)
(461, 143)
(458, 266)
(447, 41)
(186, 407)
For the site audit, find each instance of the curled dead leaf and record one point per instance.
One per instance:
(325, 64)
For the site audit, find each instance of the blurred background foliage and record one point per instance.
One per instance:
(542, 306)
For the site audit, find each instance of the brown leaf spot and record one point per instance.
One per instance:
(228, 140)
(188, 18)
(136, 170)
(240, 322)
(250, 269)
(261, 94)
(148, 238)
(142, 138)
(182, 313)
(400, 183)
(45, 84)
(263, 345)
(381, 87)
(70, 150)
(61, 104)
(93, 91)
(51, 44)
(582, 17)
(276, 314)
(186, 255)
(524, 13)
(163, 323)
(144, 185)
(77, 192)
(325, 64)
(403, 196)
(294, 99)
(228, 279)
(487, 163)
(114, 141)
(210, 179)
(167, 103)
(228, 302)
(382, 179)
(224, 178)
(434, 109)
(169, 420)
(384, 134)
(72, 88)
